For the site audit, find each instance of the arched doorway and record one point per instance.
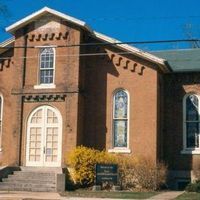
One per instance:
(44, 136)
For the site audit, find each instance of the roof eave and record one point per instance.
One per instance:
(142, 54)
(145, 55)
(6, 43)
(12, 28)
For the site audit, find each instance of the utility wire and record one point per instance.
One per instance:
(121, 18)
(72, 55)
(106, 43)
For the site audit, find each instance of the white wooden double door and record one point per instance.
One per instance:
(44, 137)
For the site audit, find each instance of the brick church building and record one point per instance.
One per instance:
(63, 85)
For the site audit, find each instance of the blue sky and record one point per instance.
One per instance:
(126, 20)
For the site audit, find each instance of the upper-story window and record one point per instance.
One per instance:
(120, 119)
(1, 118)
(191, 123)
(47, 59)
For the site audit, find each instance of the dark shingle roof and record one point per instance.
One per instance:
(181, 60)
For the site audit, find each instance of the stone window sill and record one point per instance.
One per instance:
(117, 150)
(45, 86)
(189, 151)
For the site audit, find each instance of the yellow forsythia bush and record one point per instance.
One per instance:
(134, 172)
(82, 161)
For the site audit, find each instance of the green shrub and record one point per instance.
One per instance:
(193, 187)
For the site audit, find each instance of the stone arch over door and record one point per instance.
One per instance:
(44, 137)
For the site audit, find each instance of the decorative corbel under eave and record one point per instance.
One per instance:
(119, 61)
(141, 70)
(126, 64)
(134, 67)
(51, 36)
(45, 36)
(38, 37)
(31, 37)
(58, 36)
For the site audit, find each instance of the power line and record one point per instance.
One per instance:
(107, 43)
(72, 55)
(121, 18)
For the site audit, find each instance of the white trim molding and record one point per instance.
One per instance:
(161, 63)
(6, 43)
(45, 86)
(119, 150)
(132, 50)
(12, 28)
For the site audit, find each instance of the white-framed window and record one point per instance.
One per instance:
(1, 119)
(120, 122)
(46, 68)
(191, 124)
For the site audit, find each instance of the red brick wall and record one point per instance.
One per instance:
(66, 81)
(8, 77)
(103, 76)
(175, 87)
(88, 83)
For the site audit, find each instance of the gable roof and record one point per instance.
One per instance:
(12, 28)
(6, 43)
(130, 49)
(181, 60)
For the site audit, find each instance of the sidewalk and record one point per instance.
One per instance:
(15, 195)
(4, 195)
(167, 195)
(162, 196)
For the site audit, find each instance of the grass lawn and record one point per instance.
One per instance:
(108, 194)
(189, 196)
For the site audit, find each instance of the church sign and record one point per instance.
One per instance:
(106, 173)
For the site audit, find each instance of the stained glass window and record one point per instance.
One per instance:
(120, 118)
(192, 121)
(46, 65)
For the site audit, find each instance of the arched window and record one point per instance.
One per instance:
(120, 119)
(1, 118)
(47, 59)
(191, 122)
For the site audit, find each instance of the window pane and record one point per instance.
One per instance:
(46, 66)
(120, 133)
(46, 76)
(42, 75)
(192, 108)
(42, 65)
(192, 134)
(120, 107)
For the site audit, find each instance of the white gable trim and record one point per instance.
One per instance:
(129, 48)
(102, 37)
(37, 14)
(9, 42)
